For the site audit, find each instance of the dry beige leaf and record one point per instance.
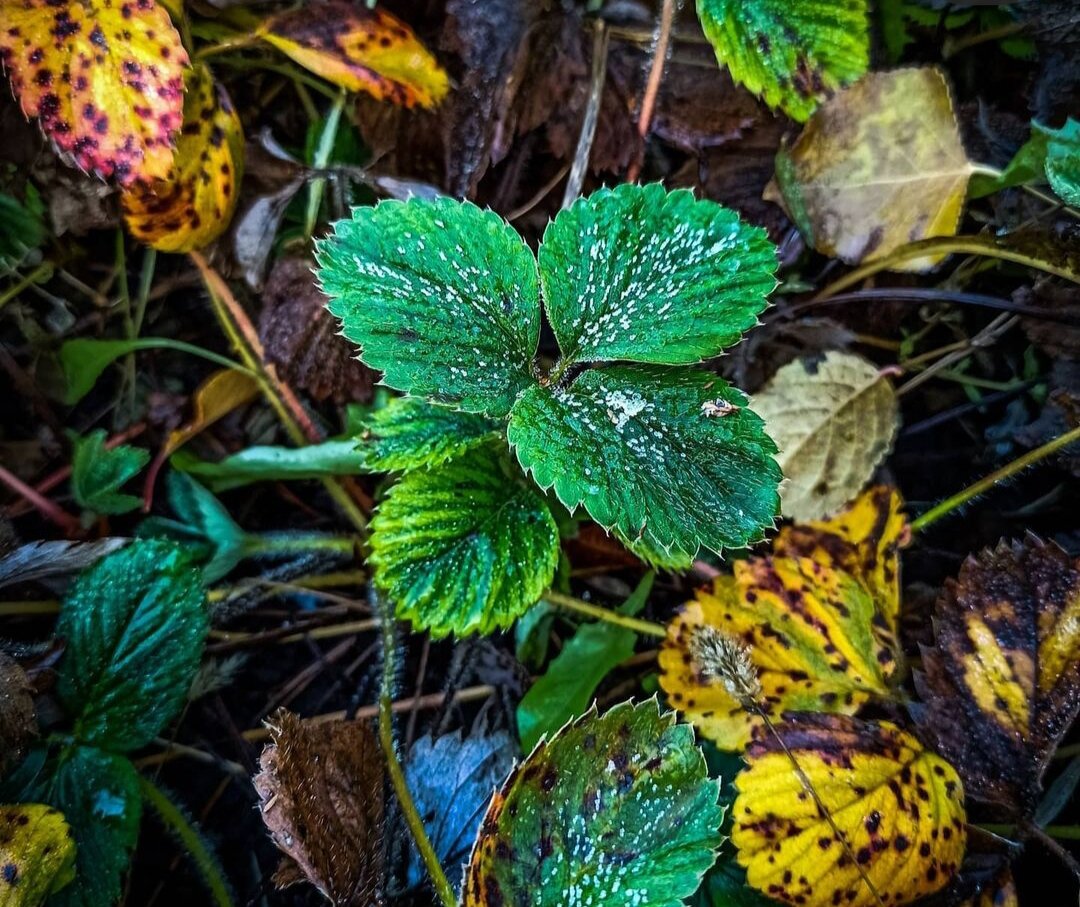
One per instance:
(878, 166)
(834, 420)
(321, 795)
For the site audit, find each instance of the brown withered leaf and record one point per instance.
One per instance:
(1059, 414)
(1054, 338)
(1002, 682)
(321, 796)
(18, 725)
(300, 337)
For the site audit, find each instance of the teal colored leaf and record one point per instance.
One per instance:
(792, 54)
(642, 274)
(646, 452)
(465, 547)
(1063, 159)
(98, 473)
(409, 432)
(98, 793)
(441, 296)
(1027, 166)
(134, 626)
(616, 811)
(274, 464)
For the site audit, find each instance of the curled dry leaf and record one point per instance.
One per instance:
(360, 49)
(878, 166)
(103, 78)
(194, 204)
(834, 421)
(899, 810)
(1002, 683)
(321, 795)
(18, 724)
(37, 854)
(817, 620)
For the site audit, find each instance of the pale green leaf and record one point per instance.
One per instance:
(642, 274)
(668, 458)
(273, 464)
(98, 473)
(441, 296)
(792, 54)
(466, 547)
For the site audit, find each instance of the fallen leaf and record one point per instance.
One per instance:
(834, 421)
(104, 79)
(18, 723)
(1001, 892)
(360, 49)
(37, 854)
(878, 166)
(320, 789)
(898, 807)
(1002, 682)
(39, 560)
(193, 206)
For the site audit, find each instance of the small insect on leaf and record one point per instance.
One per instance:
(37, 854)
(194, 204)
(898, 809)
(360, 49)
(104, 79)
(615, 810)
(1002, 682)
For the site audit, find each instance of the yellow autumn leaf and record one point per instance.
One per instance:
(37, 854)
(194, 205)
(899, 810)
(834, 421)
(1002, 682)
(879, 165)
(103, 78)
(360, 49)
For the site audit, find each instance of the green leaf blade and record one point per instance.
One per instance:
(638, 449)
(644, 275)
(617, 810)
(98, 473)
(134, 625)
(464, 548)
(441, 296)
(791, 54)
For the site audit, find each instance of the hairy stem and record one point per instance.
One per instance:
(645, 627)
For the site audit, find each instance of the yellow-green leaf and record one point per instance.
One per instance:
(194, 205)
(834, 421)
(37, 854)
(899, 809)
(103, 78)
(360, 49)
(879, 165)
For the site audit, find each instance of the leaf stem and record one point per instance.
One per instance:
(297, 543)
(321, 159)
(997, 476)
(644, 627)
(175, 820)
(397, 777)
(661, 48)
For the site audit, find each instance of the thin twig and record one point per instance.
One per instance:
(645, 627)
(592, 115)
(661, 48)
(48, 509)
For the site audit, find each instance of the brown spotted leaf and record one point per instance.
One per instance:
(321, 795)
(898, 807)
(103, 77)
(1002, 682)
(18, 724)
(194, 205)
(360, 49)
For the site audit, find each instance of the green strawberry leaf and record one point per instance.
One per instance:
(649, 455)
(409, 432)
(791, 54)
(134, 626)
(642, 274)
(464, 548)
(98, 473)
(441, 296)
(617, 810)
(1063, 159)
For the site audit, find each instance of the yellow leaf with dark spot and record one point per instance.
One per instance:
(1002, 682)
(898, 807)
(194, 205)
(37, 854)
(103, 78)
(359, 49)
(879, 165)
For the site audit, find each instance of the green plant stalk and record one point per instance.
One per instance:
(393, 766)
(42, 272)
(644, 627)
(190, 839)
(298, 543)
(997, 476)
(1061, 832)
(321, 159)
(179, 346)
